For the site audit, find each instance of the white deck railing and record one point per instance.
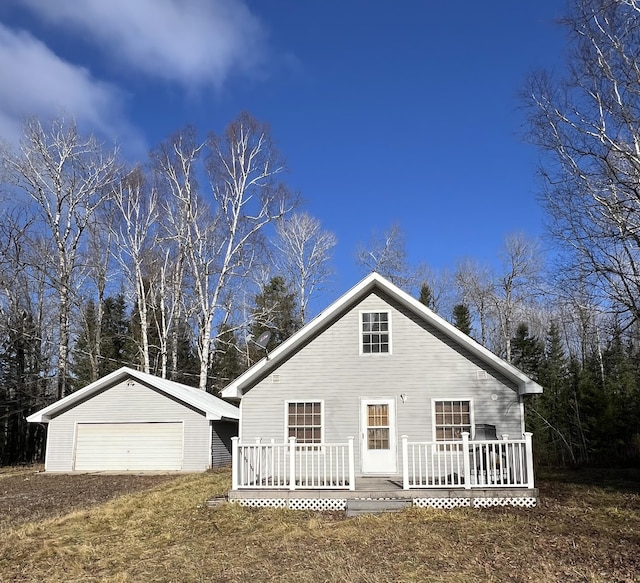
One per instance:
(292, 465)
(468, 464)
(500, 463)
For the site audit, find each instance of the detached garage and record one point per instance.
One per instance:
(132, 421)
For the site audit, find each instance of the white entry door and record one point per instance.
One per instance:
(378, 422)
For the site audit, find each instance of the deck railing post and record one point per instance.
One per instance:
(507, 458)
(352, 464)
(292, 463)
(466, 460)
(234, 463)
(405, 461)
(528, 448)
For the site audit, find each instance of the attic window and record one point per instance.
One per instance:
(375, 332)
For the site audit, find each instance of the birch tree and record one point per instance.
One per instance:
(97, 270)
(135, 237)
(66, 175)
(304, 255)
(243, 168)
(176, 163)
(587, 126)
(220, 235)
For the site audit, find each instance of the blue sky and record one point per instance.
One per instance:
(403, 112)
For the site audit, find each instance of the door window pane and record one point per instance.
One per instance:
(378, 426)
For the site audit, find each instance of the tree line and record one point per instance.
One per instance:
(177, 265)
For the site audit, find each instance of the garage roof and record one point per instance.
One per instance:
(214, 408)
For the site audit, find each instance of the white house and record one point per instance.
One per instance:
(380, 387)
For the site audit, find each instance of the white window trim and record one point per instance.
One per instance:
(286, 417)
(449, 399)
(360, 332)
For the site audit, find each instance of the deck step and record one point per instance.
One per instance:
(356, 507)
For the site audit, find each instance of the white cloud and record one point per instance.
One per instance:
(193, 42)
(37, 82)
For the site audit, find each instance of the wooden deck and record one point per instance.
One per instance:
(381, 494)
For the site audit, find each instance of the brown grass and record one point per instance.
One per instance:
(579, 532)
(27, 494)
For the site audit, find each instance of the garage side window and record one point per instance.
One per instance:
(451, 419)
(375, 332)
(304, 421)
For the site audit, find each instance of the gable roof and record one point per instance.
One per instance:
(214, 408)
(372, 282)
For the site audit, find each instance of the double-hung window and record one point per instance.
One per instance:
(451, 418)
(375, 332)
(304, 421)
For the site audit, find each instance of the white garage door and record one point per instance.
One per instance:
(128, 446)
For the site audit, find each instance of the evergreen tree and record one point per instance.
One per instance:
(553, 416)
(84, 365)
(116, 344)
(615, 421)
(22, 390)
(274, 311)
(462, 318)
(526, 351)
(228, 359)
(188, 364)
(426, 296)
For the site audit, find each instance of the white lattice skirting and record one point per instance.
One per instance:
(519, 502)
(442, 503)
(448, 503)
(337, 504)
(317, 504)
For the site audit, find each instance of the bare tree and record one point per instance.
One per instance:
(588, 126)
(175, 163)
(515, 285)
(475, 284)
(243, 167)
(386, 254)
(96, 269)
(221, 241)
(305, 251)
(66, 175)
(135, 237)
(438, 284)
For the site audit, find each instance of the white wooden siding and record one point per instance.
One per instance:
(424, 365)
(125, 402)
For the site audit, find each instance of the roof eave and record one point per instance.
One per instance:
(531, 388)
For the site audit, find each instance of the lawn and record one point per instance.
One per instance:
(586, 528)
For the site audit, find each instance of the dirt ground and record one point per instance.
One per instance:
(28, 494)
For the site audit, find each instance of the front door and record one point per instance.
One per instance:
(378, 422)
